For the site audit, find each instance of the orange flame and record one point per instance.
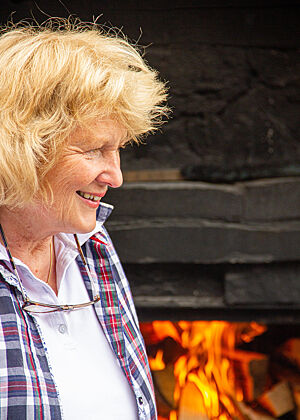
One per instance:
(205, 365)
(157, 362)
(173, 415)
(165, 329)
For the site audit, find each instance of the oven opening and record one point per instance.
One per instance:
(205, 370)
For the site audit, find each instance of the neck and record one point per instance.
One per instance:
(32, 247)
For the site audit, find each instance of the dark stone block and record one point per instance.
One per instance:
(163, 150)
(175, 285)
(263, 285)
(177, 199)
(276, 199)
(274, 67)
(198, 241)
(257, 125)
(211, 73)
(261, 26)
(181, 22)
(217, 174)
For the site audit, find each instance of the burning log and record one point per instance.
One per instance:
(278, 400)
(164, 382)
(297, 401)
(191, 404)
(250, 370)
(200, 375)
(199, 402)
(250, 414)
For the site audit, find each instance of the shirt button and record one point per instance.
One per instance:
(140, 400)
(62, 328)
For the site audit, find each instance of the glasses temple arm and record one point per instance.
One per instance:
(86, 265)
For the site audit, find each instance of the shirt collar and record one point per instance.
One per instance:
(104, 211)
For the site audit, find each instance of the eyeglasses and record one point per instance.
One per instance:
(38, 307)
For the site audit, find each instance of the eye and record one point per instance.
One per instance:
(93, 153)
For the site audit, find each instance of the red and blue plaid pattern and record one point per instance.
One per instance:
(27, 389)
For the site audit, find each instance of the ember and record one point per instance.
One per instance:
(203, 370)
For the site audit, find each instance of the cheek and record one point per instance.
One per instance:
(70, 177)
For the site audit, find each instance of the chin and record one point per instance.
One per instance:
(79, 226)
(85, 227)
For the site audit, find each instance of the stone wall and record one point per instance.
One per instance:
(207, 251)
(233, 70)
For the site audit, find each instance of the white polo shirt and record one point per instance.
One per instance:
(89, 380)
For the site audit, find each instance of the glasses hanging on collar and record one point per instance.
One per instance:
(39, 307)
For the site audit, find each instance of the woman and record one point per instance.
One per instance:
(70, 348)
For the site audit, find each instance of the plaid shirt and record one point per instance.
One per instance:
(27, 387)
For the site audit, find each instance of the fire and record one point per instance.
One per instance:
(157, 362)
(165, 329)
(205, 381)
(173, 415)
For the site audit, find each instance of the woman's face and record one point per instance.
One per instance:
(89, 164)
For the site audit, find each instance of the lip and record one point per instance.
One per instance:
(94, 193)
(90, 203)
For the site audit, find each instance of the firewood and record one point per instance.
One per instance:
(297, 401)
(250, 414)
(250, 370)
(278, 400)
(191, 404)
(164, 382)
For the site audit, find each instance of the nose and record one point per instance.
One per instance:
(111, 174)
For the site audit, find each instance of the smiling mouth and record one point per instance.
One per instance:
(88, 196)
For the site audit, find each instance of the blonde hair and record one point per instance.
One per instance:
(56, 77)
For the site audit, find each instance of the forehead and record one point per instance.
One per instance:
(99, 132)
